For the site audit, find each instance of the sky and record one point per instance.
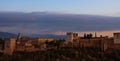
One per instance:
(56, 13)
(97, 7)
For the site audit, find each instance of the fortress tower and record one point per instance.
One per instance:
(71, 36)
(117, 38)
(9, 46)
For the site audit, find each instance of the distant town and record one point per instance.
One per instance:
(9, 46)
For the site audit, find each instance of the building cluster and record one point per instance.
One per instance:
(72, 40)
(25, 44)
(104, 43)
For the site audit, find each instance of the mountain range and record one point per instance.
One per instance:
(7, 35)
(12, 35)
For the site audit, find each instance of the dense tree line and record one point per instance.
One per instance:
(65, 54)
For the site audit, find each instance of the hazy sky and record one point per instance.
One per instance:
(34, 23)
(99, 7)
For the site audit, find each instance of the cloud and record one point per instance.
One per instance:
(116, 14)
(43, 23)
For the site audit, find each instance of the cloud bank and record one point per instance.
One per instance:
(51, 23)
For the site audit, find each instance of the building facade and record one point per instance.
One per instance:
(116, 38)
(10, 44)
(71, 36)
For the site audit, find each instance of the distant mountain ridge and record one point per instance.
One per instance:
(7, 35)
(12, 35)
(48, 36)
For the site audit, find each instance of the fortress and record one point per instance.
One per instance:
(72, 40)
(104, 43)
